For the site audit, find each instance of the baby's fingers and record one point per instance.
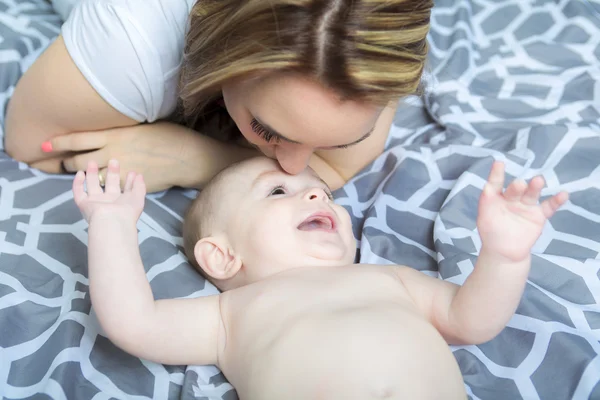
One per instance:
(79, 193)
(112, 178)
(532, 194)
(496, 177)
(129, 181)
(91, 176)
(515, 190)
(139, 187)
(550, 206)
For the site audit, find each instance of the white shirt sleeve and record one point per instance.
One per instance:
(109, 42)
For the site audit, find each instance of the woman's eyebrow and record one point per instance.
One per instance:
(279, 136)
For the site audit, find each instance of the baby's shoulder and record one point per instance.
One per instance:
(381, 269)
(390, 275)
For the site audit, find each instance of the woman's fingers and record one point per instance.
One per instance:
(80, 141)
(53, 165)
(80, 161)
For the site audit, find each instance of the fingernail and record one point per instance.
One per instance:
(46, 147)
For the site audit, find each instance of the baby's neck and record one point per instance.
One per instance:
(285, 273)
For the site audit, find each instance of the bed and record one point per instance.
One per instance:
(517, 81)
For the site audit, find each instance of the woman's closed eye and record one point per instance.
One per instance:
(264, 133)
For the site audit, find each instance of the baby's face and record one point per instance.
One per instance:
(279, 221)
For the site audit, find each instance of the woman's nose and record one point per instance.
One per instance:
(293, 158)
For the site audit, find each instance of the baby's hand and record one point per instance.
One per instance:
(111, 200)
(510, 223)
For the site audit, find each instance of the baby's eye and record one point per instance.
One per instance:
(279, 190)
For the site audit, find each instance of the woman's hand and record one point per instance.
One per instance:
(166, 154)
(161, 152)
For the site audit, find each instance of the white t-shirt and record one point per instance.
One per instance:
(130, 51)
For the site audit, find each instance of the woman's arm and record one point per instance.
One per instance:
(51, 99)
(167, 154)
(54, 102)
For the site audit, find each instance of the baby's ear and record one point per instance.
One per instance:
(215, 256)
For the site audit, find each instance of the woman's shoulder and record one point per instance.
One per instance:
(130, 51)
(154, 15)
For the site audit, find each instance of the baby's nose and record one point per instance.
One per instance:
(316, 194)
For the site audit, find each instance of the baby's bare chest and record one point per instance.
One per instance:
(283, 300)
(302, 320)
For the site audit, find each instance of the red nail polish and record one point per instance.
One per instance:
(46, 147)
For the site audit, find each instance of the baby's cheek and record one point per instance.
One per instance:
(277, 251)
(268, 237)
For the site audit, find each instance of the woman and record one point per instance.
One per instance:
(308, 82)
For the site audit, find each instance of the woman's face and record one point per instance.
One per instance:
(289, 117)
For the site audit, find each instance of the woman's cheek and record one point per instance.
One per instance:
(254, 140)
(250, 136)
(268, 150)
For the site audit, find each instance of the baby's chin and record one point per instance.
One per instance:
(335, 253)
(330, 259)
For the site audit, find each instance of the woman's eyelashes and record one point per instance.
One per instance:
(261, 131)
(269, 136)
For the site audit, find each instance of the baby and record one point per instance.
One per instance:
(296, 319)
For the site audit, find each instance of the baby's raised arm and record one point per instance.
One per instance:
(177, 331)
(509, 224)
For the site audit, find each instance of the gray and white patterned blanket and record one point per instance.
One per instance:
(514, 80)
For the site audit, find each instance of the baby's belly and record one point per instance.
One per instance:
(382, 352)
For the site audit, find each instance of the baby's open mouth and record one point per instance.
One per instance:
(318, 221)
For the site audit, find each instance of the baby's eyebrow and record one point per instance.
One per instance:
(263, 176)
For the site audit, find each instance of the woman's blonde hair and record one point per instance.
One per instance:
(363, 50)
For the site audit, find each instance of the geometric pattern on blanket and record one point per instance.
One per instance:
(519, 82)
(50, 343)
(514, 81)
